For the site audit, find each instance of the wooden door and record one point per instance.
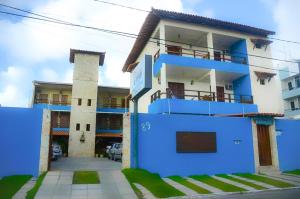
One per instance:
(64, 99)
(264, 146)
(217, 55)
(220, 94)
(55, 99)
(176, 90)
(174, 50)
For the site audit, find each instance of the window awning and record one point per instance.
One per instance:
(264, 75)
(259, 43)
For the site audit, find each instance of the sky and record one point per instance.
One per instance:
(33, 50)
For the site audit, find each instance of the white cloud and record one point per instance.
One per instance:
(34, 42)
(286, 15)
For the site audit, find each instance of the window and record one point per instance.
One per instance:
(290, 85)
(293, 105)
(79, 101)
(262, 81)
(89, 102)
(77, 127)
(297, 80)
(88, 126)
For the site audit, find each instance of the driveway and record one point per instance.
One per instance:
(58, 181)
(86, 163)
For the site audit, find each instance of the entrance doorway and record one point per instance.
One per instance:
(220, 94)
(176, 90)
(264, 146)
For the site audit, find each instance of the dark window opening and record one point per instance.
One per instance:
(290, 85)
(88, 126)
(262, 81)
(79, 101)
(89, 102)
(293, 105)
(77, 127)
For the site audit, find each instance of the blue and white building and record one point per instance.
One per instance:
(291, 93)
(215, 101)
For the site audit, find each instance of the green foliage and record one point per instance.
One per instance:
(11, 184)
(86, 177)
(32, 192)
(190, 185)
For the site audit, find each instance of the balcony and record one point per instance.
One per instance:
(60, 105)
(109, 125)
(291, 92)
(201, 102)
(292, 112)
(112, 108)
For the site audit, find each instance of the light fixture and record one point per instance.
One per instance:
(82, 138)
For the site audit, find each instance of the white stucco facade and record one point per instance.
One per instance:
(267, 97)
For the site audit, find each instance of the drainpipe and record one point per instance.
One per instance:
(135, 133)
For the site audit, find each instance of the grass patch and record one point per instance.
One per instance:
(250, 184)
(32, 192)
(217, 183)
(86, 177)
(295, 172)
(152, 182)
(276, 183)
(189, 184)
(11, 184)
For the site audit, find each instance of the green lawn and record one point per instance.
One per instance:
(32, 192)
(250, 184)
(152, 182)
(86, 177)
(295, 172)
(266, 180)
(11, 184)
(217, 183)
(189, 184)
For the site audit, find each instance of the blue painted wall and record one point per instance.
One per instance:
(157, 145)
(199, 63)
(53, 107)
(241, 86)
(288, 143)
(199, 107)
(20, 133)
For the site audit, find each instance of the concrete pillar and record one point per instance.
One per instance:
(85, 88)
(210, 45)
(163, 70)
(213, 81)
(126, 160)
(45, 136)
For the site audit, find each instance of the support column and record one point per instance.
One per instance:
(213, 81)
(210, 45)
(163, 70)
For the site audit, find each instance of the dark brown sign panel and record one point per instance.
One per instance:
(196, 142)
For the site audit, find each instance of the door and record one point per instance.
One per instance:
(264, 146)
(217, 55)
(55, 98)
(220, 94)
(174, 50)
(176, 90)
(64, 99)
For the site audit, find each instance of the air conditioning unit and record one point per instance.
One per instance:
(229, 87)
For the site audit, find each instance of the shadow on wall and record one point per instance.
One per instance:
(20, 133)
(157, 145)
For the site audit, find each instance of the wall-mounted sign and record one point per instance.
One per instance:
(141, 78)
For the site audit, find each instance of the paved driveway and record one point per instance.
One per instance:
(58, 181)
(72, 164)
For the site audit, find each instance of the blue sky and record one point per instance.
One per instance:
(31, 50)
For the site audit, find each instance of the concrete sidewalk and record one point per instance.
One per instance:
(58, 183)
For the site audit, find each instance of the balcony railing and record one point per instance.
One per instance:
(222, 55)
(203, 95)
(50, 101)
(112, 105)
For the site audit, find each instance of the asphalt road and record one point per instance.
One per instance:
(273, 194)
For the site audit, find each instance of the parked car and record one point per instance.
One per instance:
(118, 153)
(56, 151)
(112, 150)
